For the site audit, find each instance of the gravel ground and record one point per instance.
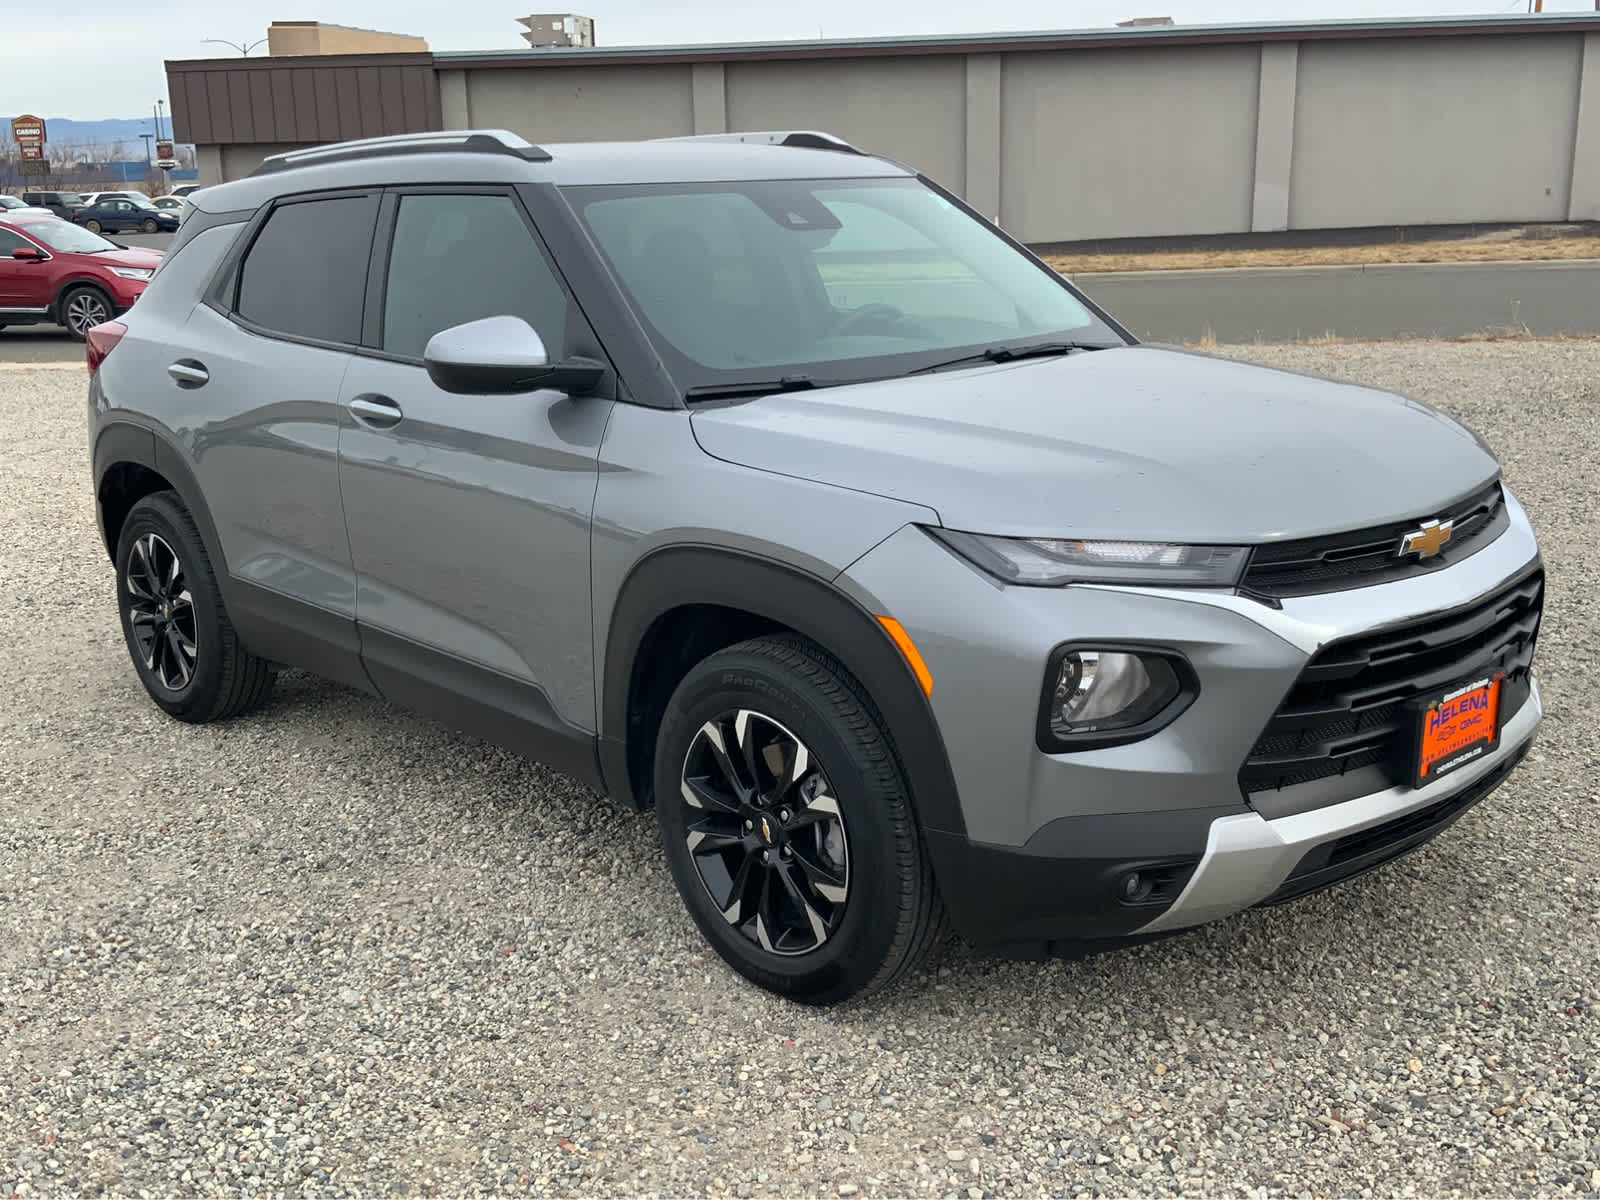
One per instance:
(332, 949)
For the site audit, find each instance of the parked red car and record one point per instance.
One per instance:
(55, 272)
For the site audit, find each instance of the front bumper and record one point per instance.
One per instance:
(1048, 837)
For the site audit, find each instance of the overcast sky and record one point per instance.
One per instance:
(105, 62)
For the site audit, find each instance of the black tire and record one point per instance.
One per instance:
(149, 225)
(222, 679)
(82, 308)
(885, 914)
(92, 226)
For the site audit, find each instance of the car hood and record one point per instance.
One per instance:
(147, 260)
(1138, 442)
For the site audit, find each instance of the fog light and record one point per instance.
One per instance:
(1103, 696)
(1135, 886)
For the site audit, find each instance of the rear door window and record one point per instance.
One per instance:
(305, 275)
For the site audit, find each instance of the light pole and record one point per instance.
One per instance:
(243, 48)
(149, 154)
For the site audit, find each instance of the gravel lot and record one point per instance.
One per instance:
(333, 949)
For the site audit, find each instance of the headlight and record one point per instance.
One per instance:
(1104, 696)
(1051, 562)
(131, 272)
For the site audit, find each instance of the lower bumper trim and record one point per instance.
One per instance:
(1249, 859)
(1333, 862)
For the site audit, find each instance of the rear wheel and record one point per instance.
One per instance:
(82, 309)
(182, 643)
(788, 826)
(150, 225)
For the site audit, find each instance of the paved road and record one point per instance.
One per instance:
(50, 343)
(1289, 303)
(1273, 305)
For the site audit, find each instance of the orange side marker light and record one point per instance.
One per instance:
(908, 648)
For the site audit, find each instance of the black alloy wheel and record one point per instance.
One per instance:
(183, 645)
(765, 832)
(788, 825)
(161, 614)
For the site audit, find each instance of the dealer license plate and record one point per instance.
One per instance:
(1457, 728)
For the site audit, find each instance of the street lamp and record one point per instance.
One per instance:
(243, 48)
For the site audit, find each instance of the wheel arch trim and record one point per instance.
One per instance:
(674, 577)
(128, 442)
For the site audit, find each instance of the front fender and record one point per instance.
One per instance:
(672, 578)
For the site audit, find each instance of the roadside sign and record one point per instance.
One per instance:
(30, 151)
(33, 167)
(28, 130)
(164, 150)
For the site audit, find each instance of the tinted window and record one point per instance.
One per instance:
(12, 241)
(460, 258)
(306, 272)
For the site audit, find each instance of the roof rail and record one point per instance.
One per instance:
(470, 141)
(809, 139)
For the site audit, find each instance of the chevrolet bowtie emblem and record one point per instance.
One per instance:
(1427, 541)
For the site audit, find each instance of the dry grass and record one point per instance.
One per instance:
(1208, 339)
(1542, 249)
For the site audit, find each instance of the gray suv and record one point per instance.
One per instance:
(759, 481)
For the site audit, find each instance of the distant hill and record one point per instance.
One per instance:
(61, 132)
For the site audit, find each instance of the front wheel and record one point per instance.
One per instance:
(788, 825)
(149, 225)
(82, 309)
(92, 226)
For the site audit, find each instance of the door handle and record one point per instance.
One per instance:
(188, 373)
(378, 411)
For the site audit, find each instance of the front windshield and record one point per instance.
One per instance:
(830, 279)
(66, 237)
(11, 202)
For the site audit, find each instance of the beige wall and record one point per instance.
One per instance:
(1141, 142)
(1434, 131)
(237, 161)
(581, 104)
(1106, 144)
(910, 109)
(313, 38)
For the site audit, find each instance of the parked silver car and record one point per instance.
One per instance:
(759, 481)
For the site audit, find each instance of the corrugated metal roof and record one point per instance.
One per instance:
(1064, 39)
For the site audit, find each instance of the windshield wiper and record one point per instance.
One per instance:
(756, 387)
(1003, 354)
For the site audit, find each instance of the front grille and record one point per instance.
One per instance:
(1349, 719)
(1363, 557)
(1357, 853)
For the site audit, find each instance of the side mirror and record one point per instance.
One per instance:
(502, 356)
(27, 254)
